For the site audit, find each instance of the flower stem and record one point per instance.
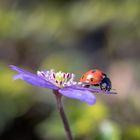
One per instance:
(63, 116)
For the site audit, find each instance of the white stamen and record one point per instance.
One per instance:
(59, 79)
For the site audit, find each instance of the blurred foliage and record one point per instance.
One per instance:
(69, 64)
(62, 22)
(83, 120)
(14, 100)
(72, 36)
(108, 131)
(132, 132)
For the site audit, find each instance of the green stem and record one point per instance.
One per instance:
(63, 116)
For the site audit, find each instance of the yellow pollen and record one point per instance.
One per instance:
(59, 77)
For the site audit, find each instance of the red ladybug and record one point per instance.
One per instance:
(96, 77)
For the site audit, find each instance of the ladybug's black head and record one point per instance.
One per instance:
(105, 84)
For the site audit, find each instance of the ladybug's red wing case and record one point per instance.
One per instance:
(96, 77)
(92, 77)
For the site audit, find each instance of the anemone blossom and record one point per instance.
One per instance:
(60, 82)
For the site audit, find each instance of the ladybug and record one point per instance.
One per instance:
(96, 77)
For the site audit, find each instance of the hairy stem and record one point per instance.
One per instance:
(63, 116)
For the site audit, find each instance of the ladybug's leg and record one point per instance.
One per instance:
(102, 87)
(87, 86)
(96, 85)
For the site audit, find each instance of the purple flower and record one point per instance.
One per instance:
(59, 82)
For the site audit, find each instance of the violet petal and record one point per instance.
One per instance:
(82, 95)
(32, 79)
(92, 89)
(101, 91)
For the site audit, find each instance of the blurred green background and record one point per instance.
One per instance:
(72, 36)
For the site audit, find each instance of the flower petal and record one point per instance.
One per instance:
(32, 79)
(101, 91)
(91, 89)
(82, 95)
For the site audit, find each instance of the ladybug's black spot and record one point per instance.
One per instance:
(93, 71)
(104, 75)
(91, 79)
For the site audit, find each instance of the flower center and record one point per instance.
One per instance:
(59, 79)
